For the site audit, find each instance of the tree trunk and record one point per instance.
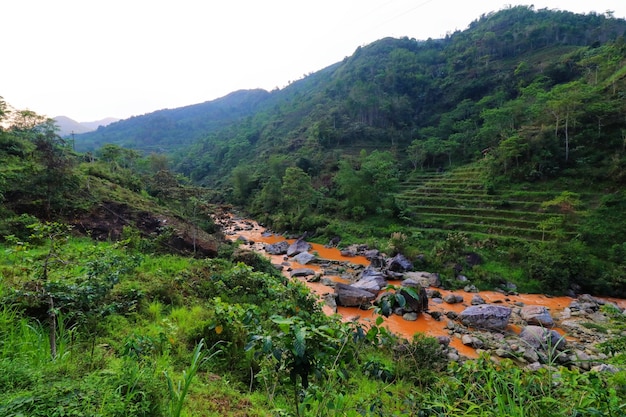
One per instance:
(53, 328)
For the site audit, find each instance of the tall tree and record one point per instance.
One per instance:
(298, 193)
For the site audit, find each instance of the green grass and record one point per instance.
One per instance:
(358, 372)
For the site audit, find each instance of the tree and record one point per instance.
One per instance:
(511, 148)
(565, 103)
(297, 191)
(270, 198)
(55, 234)
(370, 184)
(417, 153)
(243, 183)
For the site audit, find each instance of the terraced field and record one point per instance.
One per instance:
(458, 200)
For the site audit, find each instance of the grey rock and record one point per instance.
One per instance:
(453, 299)
(425, 279)
(605, 368)
(415, 304)
(409, 316)
(349, 296)
(539, 337)
(303, 258)
(279, 248)
(297, 247)
(470, 288)
(302, 272)
(486, 316)
(371, 283)
(330, 300)
(399, 263)
(537, 315)
(477, 300)
(443, 340)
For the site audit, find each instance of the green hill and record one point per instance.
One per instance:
(522, 111)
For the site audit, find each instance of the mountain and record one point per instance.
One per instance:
(68, 126)
(384, 96)
(168, 129)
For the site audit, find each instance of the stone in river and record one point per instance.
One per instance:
(349, 296)
(297, 247)
(302, 272)
(486, 316)
(303, 258)
(279, 248)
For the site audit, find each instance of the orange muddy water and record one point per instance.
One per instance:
(251, 231)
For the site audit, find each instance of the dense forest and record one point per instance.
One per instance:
(528, 102)
(497, 152)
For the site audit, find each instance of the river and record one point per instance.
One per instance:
(258, 237)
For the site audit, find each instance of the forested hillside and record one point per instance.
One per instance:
(493, 158)
(528, 103)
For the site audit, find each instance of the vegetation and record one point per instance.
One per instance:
(496, 152)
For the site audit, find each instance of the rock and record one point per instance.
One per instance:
(334, 242)
(472, 341)
(399, 263)
(470, 288)
(327, 281)
(539, 337)
(453, 299)
(477, 300)
(425, 279)
(443, 340)
(349, 296)
(297, 247)
(409, 316)
(537, 315)
(435, 314)
(486, 316)
(303, 258)
(581, 359)
(605, 368)
(302, 272)
(371, 282)
(473, 259)
(371, 254)
(413, 304)
(331, 301)
(279, 248)
(461, 278)
(314, 278)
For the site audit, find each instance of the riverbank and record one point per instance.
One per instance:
(570, 317)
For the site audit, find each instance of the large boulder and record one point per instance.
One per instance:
(453, 298)
(486, 316)
(539, 337)
(419, 304)
(303, 258)
(537, 315)
(399, 263)
(279, 248)
(426, 279)
(297, 247)
(372, 282)
(302, 272)
(350, 296)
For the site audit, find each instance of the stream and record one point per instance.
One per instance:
(257, 237)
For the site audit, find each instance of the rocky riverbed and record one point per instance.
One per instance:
(532, 329)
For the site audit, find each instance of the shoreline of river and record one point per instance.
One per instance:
(255, 237)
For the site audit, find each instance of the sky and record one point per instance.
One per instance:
(92, 59)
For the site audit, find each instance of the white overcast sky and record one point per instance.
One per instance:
(91, 59)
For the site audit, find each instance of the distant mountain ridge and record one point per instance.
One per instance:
(166, 130)
(67, 126)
